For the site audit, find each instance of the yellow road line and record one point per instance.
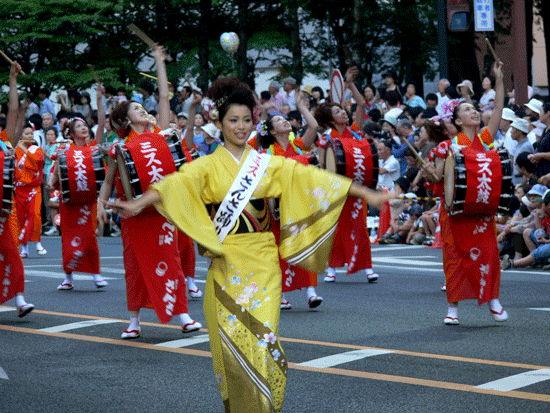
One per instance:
(328, 370)
(330, 344)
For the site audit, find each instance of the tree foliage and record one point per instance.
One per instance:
(55, 40)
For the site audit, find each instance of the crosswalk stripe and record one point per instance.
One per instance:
(6, 309)
(184, 342)
(74, 326)
(517, 381)
(3, 374)
(342, 358)
(60, 275)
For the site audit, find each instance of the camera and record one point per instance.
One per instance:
(384, 134)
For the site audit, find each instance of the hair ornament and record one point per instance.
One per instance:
(261, 128)
(448, 109)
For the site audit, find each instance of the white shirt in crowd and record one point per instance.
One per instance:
(394, 171)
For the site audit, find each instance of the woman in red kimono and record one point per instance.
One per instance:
(470, 252)
(12, 273)
(29, 177)
(78, 220)
(276, 138)
(351, 242)
(154, 277)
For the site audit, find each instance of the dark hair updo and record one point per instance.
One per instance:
(227, 91)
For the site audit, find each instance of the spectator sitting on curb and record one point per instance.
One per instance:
(417, 234)
(540, 237)
(397, 208)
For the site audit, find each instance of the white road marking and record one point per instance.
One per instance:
(402, 261)
(60, 275)
(540, 309)
(6, 309)
(184, 342)
(517, 381)
(342, 358)
(79, 324)
(398, 247)
(3, 374)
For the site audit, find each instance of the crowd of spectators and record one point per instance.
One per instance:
(394, 114)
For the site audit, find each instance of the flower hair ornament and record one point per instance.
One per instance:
(448, 109)
(213, 108)
(261, 128)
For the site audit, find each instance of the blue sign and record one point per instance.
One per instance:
(484, 16)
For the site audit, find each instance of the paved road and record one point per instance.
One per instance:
(368, 348)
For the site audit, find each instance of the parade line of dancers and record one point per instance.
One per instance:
(266, 218)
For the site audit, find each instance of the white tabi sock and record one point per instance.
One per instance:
(20, 300)
(331, 271)
(191, 283)
(134, 324)
(185, 319)
(494, 305)
(369, 271)
(68, 278)
(311, 292)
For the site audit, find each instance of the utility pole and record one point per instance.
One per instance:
(520, 53)
(442, 39)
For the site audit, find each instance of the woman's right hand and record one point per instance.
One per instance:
(101, 213)
(125, 209)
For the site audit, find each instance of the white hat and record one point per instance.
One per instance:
(211, 130)
(508, 114)
(392, 120)
(535, 105)
(520, 124)
(184, 114)
(537, 189)
(466, 83)
(391, 116)
(526, 201)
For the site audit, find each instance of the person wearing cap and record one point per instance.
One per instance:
(488, 96)
(289, 86)
(466, 90)
(470, 257)
(354, 251)
(277, 98)
(533, 107)
(504, 134)
(541, 157)
(540, 237)
(389, 123)
(520, 128)
(182, 119)
(208, 141)
(307, 90)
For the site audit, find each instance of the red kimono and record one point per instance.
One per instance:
(470, 251)
(29, 176)
(294, 278)
(153, 272)
(351, 242)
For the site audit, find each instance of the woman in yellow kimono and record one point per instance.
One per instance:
(243, 288)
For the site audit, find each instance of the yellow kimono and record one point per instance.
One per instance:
(243, 288)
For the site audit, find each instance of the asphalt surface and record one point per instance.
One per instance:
(379, 347)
